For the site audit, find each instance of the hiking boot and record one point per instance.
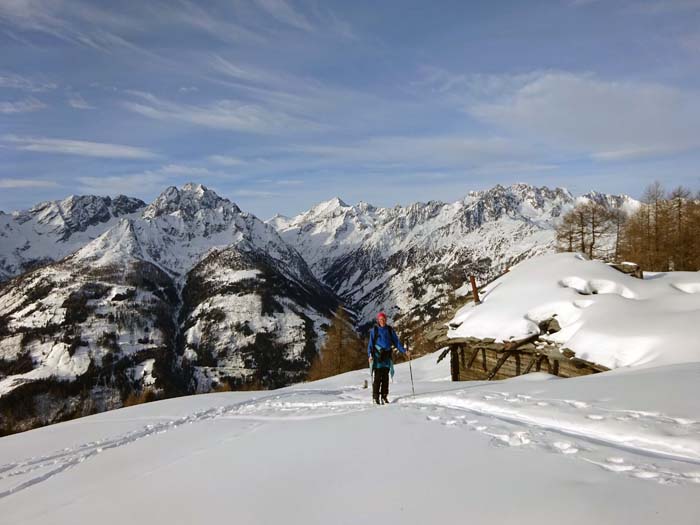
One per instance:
(376, 401)
(385, 401)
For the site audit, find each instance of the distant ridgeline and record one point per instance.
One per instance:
(107, 302)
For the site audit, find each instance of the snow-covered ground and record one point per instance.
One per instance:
(618, 447)
(605, 316)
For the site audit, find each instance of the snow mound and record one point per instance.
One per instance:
(605, 316)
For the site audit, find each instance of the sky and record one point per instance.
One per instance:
(280, 104)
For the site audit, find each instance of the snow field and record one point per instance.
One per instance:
(611, 447)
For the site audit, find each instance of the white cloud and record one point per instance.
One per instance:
(433, 151)
(76, 101)
(13, 81)
(233, 115)
(604, 119)
(26, 183)
(193, 172)
(72, 21)
(148, 183)
(77, 147)
(21, 106)
(216, 24)
(226, 160)
(255, 194)
(281, 11)
(240, 72)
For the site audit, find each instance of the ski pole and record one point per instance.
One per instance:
(410, 368)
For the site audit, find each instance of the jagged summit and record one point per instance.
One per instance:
(328, 208)
(413, 255)
(52, 230)
(76, 213)
(187, 201)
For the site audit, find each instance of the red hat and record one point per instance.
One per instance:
(380, 315)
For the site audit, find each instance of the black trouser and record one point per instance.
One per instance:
(380, 383)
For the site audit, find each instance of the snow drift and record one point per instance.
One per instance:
(606, 317)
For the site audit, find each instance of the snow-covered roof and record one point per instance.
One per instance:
(605, 316)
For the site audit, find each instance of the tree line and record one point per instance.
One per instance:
(662, 234)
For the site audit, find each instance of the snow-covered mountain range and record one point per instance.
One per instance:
(51, 230)
(185, 294)
(190, 292)
(410, 260)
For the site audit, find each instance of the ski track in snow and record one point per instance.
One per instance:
(24, 474)
(504, 429)
(625, 456)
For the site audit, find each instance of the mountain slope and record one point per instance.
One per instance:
(54, 229)
(120, 315)
(410, 260)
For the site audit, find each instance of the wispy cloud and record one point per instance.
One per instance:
(26, 183)
(193, 172)
(604, 119)
(255, 194)
(76, 100)
(283, 12)
(142, 184)
(232, 115)
(77, 147)
(73, 21)
(425, 151)
(223, 25)
(151, 181)
(226, 160)
(21, 106)
(14, 81)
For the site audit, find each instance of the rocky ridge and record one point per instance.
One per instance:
(188, 294)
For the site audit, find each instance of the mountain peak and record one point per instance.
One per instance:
(329, 207)
(186, 201)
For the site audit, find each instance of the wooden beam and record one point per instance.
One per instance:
(499, 364)
(533, 358)
(538, 366)
(454, 363)
(461, 356)
(483, 359)
(472, 358)
(512, 345)
(555, 367)
(475, 290)
(443, 354)
(517, 363)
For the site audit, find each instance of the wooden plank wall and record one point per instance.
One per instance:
(470, 363)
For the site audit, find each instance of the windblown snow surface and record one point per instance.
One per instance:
(617, 447)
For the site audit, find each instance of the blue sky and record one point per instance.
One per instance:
(279, 104)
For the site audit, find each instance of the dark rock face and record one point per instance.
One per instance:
(246, 322)
(77, 213)
(70, 346)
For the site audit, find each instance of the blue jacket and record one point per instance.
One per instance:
(385, 340)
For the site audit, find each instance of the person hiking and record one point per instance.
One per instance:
(382, 338)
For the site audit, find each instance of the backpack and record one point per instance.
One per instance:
(383, 355)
